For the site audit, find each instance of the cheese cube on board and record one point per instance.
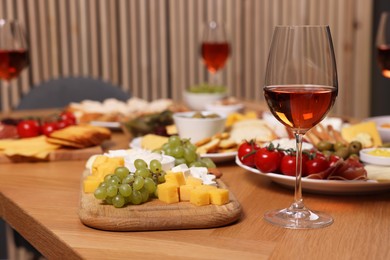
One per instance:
(167, 192)
(176, 178)
(219, 196)
(185, 192)
(194, 181)
(90, 185)
(200, 197)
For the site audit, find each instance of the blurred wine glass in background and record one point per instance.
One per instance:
(13, 51)
(383, 44)
(215, 48)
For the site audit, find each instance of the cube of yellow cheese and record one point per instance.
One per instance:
(90, 185)
(176, 178)
(219, 196)
(109, 166)
(167, 192)
(194, 181)
(199, 197)
(185, 192)
(369, 129)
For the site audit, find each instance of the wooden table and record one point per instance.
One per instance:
(41, 201)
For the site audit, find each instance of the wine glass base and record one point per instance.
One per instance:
(298, 218)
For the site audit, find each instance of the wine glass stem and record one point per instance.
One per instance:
(6, 108)
(298, 201)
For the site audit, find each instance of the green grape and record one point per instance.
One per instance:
(190, 146)
(166, 146)
(178, 152)
(198, 164)
(121, 172)
(169, 151)
(149, 185)
(179, 161)
(155, 166)
(118, 201)
(125, 190)
(161, 178)
(138, 183)
(103, 185)
(107, 178)
(140, 164)
(128, 179)
(112, 190)
(100, 193)
(114, 180)
(136, 197)
(143, 172)
(108, 200)
(144, 194)
(208, 162)
(174, 140)
(189, 155)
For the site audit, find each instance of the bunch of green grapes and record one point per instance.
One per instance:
(124, 187)
(185, 152)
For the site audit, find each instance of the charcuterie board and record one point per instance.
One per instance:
(62, 154)
(157, 215)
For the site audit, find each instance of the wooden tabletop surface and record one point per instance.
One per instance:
(41, 201)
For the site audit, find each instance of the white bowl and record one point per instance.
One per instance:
(368, 158)
(198, 101)
(224, 109)
(198, 128)
(384, 132)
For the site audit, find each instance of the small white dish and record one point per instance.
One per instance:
(367, 157)
(198, 101)
(197, 129)
(224, 109)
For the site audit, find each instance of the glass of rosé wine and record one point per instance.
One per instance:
(13, 50)
(300, 88)
(215, 48)
(383, 44)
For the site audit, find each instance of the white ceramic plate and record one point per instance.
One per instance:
(216, 157)
(324, 186)
(110, 125)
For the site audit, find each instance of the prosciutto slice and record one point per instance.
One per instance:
(350, 169)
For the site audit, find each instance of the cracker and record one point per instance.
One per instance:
(208, 147)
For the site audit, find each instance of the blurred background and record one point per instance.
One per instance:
(150, 48)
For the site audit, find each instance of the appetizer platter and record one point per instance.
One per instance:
(129, 190)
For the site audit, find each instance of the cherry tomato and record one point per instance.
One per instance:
(317, 164)
(68, 117)
(48, 128)
(28, 128)
(288, 165)
(333, 159)
(64, 123)
(268, 160)
(246, 152)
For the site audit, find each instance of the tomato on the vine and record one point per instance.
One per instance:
(267, 159)
(288, 164)
(246, 152)
(316, 163)
(28, 128)
(48, 128)
(68, 117)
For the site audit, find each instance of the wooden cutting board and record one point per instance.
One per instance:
(62, 154)
(157, 215)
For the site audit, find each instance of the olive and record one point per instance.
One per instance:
(354, 156)
(324, 146)
(355, 147)
(327, 153)
(338, 145)
(342, 152)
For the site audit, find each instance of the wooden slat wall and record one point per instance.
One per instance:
(150, 48)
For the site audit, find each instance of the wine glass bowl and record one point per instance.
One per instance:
(300, 88)
(13, 50)
(215, 48)
(383, 44)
